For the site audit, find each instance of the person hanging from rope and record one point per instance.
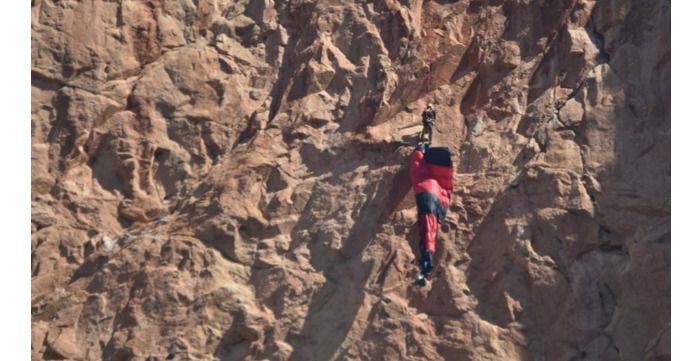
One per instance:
(428, 123)
(431, 172)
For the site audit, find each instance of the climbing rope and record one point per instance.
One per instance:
(429, 29)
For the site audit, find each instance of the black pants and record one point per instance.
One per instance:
(427, 128)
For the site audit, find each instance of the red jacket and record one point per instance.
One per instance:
(431, 178)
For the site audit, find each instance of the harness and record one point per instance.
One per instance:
(428, 119)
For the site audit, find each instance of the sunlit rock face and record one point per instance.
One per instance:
(229, 179)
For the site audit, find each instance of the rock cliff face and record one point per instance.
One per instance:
(229, 179)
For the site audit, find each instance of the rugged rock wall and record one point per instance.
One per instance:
(228, 179)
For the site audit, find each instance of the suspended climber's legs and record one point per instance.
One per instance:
(426, 262)
(426, 266)
(428, 224)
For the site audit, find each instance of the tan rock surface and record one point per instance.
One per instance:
(229, 180)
